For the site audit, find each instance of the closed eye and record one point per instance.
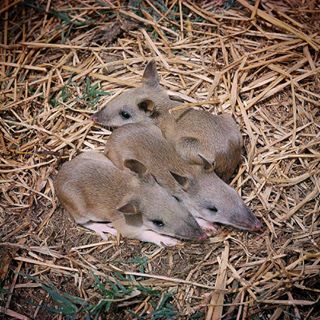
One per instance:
(158, 223)
(177, 198)
(125, 115)
(213, 209)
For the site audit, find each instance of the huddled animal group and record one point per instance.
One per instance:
(163, 175)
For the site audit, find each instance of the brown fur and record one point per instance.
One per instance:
(198, 187)
(92, 189)
(193, 132)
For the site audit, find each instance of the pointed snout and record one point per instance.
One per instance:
(198, 234)
(94, 117)
(97, 117)
(257, 225)
(251, 223)
(191, 230)
(100, 118)
(204, 236)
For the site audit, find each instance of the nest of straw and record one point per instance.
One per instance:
(61, 61)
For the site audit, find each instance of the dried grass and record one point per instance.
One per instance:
(259, 62)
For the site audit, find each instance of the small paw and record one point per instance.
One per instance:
(101, 228)
(169, 242)
(158, 239)
(208, 227)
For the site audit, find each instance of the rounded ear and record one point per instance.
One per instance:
(136, 166)
(147, 105)
(182, 180)
(130, 208)
(207, 165)
(150, 75)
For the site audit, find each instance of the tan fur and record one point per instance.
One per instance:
(195, 132)
(199, 188)
(216, 137)
(92, 189)
(144, 142)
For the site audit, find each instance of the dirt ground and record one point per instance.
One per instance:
(62, 61)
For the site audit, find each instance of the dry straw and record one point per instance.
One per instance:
(61, 61)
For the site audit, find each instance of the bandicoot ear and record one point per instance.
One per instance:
(207, 165)
(147, 105)
(130, 208)
(150, 75)
(136, 166)
(182, 180)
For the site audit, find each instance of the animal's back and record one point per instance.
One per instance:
(216, 137)
(90, 183)
(146, 143)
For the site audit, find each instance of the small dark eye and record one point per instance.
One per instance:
(213, 209)
(125, 115)
(177, 198)
(158, 223)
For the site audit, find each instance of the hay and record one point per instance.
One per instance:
(260, 62)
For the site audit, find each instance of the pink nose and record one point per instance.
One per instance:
(94, 118)
(204, 236)
(257, 226)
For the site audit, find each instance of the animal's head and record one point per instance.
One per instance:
(154, 208)
(135, 105)
(217, 202)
